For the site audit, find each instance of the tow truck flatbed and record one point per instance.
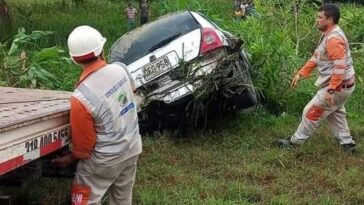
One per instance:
(33, 123)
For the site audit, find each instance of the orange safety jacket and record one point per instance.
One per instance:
(332, 58)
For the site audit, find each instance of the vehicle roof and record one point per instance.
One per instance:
(168, 24)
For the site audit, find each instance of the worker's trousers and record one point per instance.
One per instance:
(318, 110)
(92, 182)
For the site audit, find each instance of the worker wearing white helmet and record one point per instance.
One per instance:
(85, 43)
(104, 122)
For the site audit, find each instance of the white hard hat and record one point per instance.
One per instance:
(84, 43)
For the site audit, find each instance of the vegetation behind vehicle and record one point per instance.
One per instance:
(280, 41)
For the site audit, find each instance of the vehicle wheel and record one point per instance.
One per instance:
(245, 99)
(244, 67)
(248, 97)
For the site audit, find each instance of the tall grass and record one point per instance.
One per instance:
(280, 41)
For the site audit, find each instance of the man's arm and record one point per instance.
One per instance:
(336, 51)
(309, 66)
(83, 130)
(83, 135)
(305, 70)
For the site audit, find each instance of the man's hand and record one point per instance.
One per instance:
(329, 98)
(295, 80)
(64, 161)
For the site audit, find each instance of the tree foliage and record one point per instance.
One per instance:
(25, 64)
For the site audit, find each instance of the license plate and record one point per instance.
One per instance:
(156, 67)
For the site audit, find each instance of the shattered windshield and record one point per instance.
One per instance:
(141, 41)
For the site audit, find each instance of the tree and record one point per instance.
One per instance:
(4, 12)
(5, 21)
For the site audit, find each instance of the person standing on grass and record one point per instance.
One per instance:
(105, 131)
(336, 83)
(144, 12)
(131, 13)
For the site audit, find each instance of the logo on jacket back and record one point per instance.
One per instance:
(122, 98)
(123, 101)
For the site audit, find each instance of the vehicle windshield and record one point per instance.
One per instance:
(141, 41)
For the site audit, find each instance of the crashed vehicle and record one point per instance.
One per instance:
(185, 69)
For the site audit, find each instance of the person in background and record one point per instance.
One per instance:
(144, 12)
(131, 13)
(238, 12)
(336, 82)
(104, 123)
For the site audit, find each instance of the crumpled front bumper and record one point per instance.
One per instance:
(172, 90)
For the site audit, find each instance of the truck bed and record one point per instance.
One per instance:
(33, 123)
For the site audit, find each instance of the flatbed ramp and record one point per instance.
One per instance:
(33, 123)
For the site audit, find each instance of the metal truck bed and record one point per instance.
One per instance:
(33, 123)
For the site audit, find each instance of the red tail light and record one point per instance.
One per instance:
(209, 40)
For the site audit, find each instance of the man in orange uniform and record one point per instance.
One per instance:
(336, 83)
(104, 122)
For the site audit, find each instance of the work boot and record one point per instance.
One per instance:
(349, 148)
(285, 143)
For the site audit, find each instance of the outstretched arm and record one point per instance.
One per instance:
(336, 51)
(305, 70)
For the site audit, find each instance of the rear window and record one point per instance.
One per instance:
(141, 41)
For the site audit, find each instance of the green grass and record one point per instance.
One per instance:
(237, 161)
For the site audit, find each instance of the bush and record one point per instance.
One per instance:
(279, 39)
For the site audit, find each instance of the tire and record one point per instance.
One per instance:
(244, 67)
(245, 94)
(248, 97)
(244, 100)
